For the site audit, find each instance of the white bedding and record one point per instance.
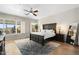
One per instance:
(46, 34)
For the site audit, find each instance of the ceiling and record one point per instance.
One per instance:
(44, 9)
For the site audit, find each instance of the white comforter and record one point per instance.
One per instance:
(45, 34)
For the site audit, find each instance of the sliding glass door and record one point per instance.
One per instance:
(10, 26)
(1, 25)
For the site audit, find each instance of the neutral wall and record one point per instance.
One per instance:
(63, 19)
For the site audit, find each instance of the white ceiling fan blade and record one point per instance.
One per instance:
(27, 14)
(26, 10)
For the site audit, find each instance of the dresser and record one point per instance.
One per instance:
(59, 37)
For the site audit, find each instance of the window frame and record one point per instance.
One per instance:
(4, 22)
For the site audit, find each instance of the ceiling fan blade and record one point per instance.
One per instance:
(31, 11)
(36, 11)
(27, 14)
(34, 14)
(26, 10)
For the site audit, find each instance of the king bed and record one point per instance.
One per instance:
(48, 31)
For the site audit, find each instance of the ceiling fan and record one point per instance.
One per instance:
(31, 11)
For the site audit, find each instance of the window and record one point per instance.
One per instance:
(18, 26)
(10, 26)
(34, 27)
(1, 25)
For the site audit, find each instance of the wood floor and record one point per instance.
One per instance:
(11, 48)
(63, 49)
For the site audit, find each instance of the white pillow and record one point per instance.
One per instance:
(43, 31)
(49, 31)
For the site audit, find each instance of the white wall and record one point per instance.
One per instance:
(22, 26)
(63, 19)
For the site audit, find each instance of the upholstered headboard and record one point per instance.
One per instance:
(51, 26)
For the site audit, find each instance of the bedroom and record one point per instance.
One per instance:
(53, 27)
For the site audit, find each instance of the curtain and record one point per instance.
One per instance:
(77, 36)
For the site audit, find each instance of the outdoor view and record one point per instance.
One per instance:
(10, 26)
(34, 27)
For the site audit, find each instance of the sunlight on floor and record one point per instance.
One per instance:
(11, 48)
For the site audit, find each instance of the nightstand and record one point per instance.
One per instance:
(59, 37)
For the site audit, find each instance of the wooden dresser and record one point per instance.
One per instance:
(59, 37)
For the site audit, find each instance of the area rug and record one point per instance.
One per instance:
(29, 47)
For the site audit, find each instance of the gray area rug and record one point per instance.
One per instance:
(29, 47)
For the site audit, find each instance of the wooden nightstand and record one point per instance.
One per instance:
(59, 37)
